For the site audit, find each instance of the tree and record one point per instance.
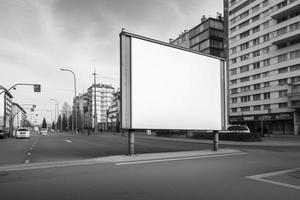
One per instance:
(53, 125)
(59, 122)
(44, 124)
(70, 123)
(64, 123)
(66, 109)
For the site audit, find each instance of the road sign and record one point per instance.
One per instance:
(37, 88)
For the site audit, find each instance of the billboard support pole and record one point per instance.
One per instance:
(131, 142)
(216, 141)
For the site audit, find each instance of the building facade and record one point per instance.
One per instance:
(5, 113)
(207, 37)
(18, 118)
(114, 109)
(100, 99)
(83, 113)
(264, 64)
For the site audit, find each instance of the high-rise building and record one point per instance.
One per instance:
(207, 37)
(18, 117)
(264, 64)
(5, 113)
(100, 99)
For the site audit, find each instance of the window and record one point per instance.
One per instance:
(295, 54)
(295, 79)
(246, 108)
(266, 13)
(256, 86)
(256, 53)
(256, 97)
(255, 29)
(295, 68)
(244, 46)
(256, 107)
(282, 4)
(233, 60)
(244, 34)
(283, 81)
(234, 100)
(267, 106)
(281, 31)
(234, 110)
(233, 71)
(283, 70)
(244, 14)
(255, 41)
(256, 65)
(267, 95)
(256, 76)
(234, 91)
(294, 26)
(266, 24)
(233, 29)
(243, 24)
(282, 19)
(283, 105)
(255, 18)
(282, 57)
(245, 88)
(244, 79)
(266, 84)
(255, 8)
(265, 50)
(283, 93)
(233, 82)
(233, 50)
(266, 62)
(266, 37)
(245, 98)
(244, 68)
(245, 57)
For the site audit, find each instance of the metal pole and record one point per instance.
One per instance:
(55, 117)
(216, 141)
(131, 142)
(95, 106)
(262, 126)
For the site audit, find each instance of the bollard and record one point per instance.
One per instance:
(216, 141)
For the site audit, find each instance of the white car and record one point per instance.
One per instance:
(44, 131)
(22, 133)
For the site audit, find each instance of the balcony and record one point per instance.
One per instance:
(294, 96)
(293, 6)
(286, 36)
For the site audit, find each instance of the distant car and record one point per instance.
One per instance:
(22, 133)
(44, 131)
(238, 129)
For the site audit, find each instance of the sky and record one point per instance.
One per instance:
(38, 37)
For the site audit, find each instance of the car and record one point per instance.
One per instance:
(44, 131)
(22, 132)
(238, 129)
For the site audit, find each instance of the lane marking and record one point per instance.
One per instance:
(260, 177)
(175, 159)
(68, 141)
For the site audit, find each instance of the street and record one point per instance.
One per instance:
(225, 177)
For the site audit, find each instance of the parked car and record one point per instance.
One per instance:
(238, 129)
(44, 131)
(22, 133)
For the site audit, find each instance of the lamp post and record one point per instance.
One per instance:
(57, 103)
(75, 109)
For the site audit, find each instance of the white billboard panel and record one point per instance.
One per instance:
(173, 88)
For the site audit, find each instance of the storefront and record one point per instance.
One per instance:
(276, 124)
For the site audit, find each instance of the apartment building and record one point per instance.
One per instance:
(207, 37)
(100, 99)
(264, 64)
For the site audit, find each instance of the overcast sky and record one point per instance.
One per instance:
(38, 37)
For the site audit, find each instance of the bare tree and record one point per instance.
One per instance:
(66, 109)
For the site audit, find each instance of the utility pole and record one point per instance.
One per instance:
(95, 106)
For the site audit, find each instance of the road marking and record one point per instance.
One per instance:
(260, 177)
(26, 161)
(68, 141)
(175, 159)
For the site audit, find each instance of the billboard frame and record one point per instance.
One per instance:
(126, 79)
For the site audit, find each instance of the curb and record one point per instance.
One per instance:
(124, 159)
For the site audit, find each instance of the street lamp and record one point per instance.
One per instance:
(57, 103)
(63, 69)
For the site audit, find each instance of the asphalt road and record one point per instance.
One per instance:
(205, 178)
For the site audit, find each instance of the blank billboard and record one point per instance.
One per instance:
(170, 88)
